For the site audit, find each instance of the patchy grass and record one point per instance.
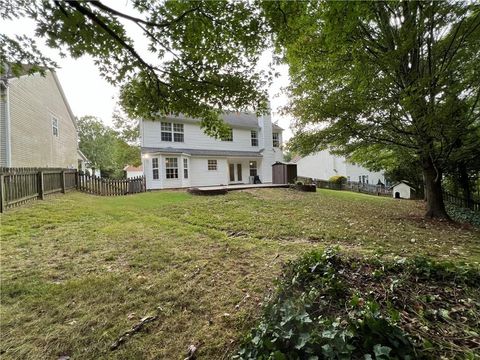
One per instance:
(78, 271)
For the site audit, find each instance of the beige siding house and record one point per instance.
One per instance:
(37, 126)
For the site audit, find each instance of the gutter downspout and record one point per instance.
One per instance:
(8, 150)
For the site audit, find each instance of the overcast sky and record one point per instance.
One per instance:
(89, 94)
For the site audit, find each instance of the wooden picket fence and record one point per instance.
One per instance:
(21, 185)
(110, 187)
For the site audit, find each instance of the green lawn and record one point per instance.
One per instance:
(77, 271)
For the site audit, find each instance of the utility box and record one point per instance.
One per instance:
(284, 173)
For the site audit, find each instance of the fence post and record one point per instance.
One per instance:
(2, 194)
(63, 181)
(40, 186)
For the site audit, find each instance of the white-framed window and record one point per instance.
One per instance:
(171, 168)
(212, 165)
(172, 132)
(155, 169)
(253, 168)
(54, 126)
(229, 137)
(348, 178)
(254, 137)
(178, 133)
(276, 139)
(185, 168)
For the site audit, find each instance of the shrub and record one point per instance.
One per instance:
(338, 179)
(329, 307)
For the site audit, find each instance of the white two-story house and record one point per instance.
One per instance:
(176, 153)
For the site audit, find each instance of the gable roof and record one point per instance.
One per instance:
(133, 168)
(403, 182)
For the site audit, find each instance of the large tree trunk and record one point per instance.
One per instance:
(433, 191)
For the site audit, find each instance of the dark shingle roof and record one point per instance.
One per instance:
(201, 152)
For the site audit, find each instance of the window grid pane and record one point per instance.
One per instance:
(185, 168)
(166, 136)
(275, 138)
(178, 137)
(229, 137)
(171, 168)
(212, 164)
(155, 173)
(254, 137)
(166, 126)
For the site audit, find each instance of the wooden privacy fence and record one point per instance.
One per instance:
(110, 187)
(19, 185)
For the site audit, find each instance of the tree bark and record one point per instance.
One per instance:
(433, 191)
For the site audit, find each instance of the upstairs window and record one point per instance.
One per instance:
(155, 168)
(55, 126)
(254, 137)
(229, 137)
(172, 132)
(276, 139)
(185, 168)
(212, 165)
(171, 168)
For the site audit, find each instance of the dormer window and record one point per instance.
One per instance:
(172, 132)
(254, 137)
(276, 139)
(55, 126)
(229, 137)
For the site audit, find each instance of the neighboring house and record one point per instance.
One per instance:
(403, 190)
(37, 126)
(177, 153)
(133, 171)
(323, 165)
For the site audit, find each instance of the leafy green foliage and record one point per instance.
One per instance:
(338, 179)
(402, 76)
(201, 57)
(104, 148)
(327, 307)
(464, 215)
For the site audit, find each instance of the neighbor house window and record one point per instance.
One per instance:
(155, 168)
(229, 137)
(171, 168)
(185, 168)
(276, 139)
(55, 126)
(212, 165)
(254, 137)
(253, 168)
(172, 132)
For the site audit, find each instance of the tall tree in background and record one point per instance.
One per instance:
(103, 146)
(403, 75)
(200, 59)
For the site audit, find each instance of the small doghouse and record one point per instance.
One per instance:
(284, 173)
(403, 190)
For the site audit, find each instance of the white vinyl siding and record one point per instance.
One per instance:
(34, 100)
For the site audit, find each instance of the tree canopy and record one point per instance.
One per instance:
(403, 75)
(201, 57)
(105, 148)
